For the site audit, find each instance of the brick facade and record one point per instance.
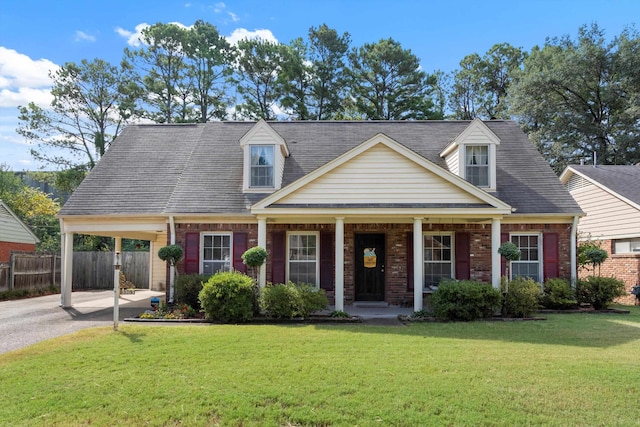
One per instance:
(7, 247)
(396, 274)
(625, 267)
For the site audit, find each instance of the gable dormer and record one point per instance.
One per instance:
(472, 155)
(264, 153)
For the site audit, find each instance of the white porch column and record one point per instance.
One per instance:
(117, 265)
(495, 256)
(67, 269)
(573, 244)
(262, 242)
(339, 279)
(418, 276)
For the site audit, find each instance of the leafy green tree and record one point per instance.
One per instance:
(33, 207)
(387, 83)
(577, 98)
(481, 85)
(91, 104)
(465, 91)
(209, 58)
(327, 53)
(296, 80)
(161, 74)
(259, 65)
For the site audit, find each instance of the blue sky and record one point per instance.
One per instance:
(38, 35)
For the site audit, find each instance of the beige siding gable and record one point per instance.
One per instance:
(12, 229)
(379, 175)
(608, 216)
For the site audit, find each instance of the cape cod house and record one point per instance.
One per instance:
(610, 197)
(367, 210)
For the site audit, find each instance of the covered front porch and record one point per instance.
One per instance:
(377, 258)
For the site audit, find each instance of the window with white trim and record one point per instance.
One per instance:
(477, 165)
(262, 166)
(530, 264)
(438, 258)
(216, 252)
(302, 264)
(626, 246)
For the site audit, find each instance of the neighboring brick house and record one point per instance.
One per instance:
(336, 203)
(610, 197)
(15, 236)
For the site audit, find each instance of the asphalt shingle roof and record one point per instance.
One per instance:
(621, 179)
(197, 168)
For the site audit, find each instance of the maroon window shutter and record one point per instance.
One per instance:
(278, 256)
(504, 237)
(551, 255)
(326, 260)
(239, 248)
(463, 256)
(410, 261)
(192, 253)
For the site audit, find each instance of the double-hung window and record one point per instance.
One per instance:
(529, 264)
(216, 252)
(477, 165)
(438, 258)
(262, 165)
(303, 265)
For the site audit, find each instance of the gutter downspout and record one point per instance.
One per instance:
(573, 246)
(172, 269)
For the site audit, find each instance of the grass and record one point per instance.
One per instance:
(577, 369)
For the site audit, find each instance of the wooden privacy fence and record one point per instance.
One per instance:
(30, 271)
(94, 270)
(91, 270)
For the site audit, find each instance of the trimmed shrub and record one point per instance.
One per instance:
(228, 296)
(557, 294)
(465, 300)
(599, 291)
(188, 288)
(280, 301)
(286, 301)
(312, 299)
(521, 299)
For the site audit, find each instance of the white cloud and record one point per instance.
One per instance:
(19, 71)
(233, 16)
(219, 7)
(82, 36)
(242, 33)
(133, 38)
(25, 95)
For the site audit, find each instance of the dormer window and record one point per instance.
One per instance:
(262, 164)
(477, 165)
(472, 155)
(264, 154)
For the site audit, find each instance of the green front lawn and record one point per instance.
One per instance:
(574, 369)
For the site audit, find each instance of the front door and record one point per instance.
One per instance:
(369, 268)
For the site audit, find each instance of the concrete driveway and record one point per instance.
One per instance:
(28, 321)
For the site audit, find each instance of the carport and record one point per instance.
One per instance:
(153, 229)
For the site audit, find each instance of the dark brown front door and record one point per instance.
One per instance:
(369, 268)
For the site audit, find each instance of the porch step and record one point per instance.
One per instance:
(371, 304)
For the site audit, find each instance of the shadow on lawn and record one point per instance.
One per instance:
(580, 330)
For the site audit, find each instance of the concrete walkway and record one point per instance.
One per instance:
(29, 321)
